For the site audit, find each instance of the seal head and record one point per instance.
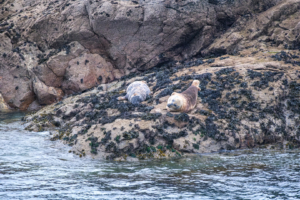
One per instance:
(136, 100)
(185, 101)
(174, 102)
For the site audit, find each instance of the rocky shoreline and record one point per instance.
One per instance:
(71, 59)
(244, 102)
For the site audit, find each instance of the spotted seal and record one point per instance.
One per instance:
(136, 92)
(185, 101)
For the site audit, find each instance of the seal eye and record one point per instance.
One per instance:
(136, 100)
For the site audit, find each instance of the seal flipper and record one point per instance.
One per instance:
(121, 98)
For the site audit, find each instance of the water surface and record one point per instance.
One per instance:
(32, 167)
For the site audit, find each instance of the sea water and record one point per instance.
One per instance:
(33, 167)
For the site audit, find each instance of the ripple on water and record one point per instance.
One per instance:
(32, 167)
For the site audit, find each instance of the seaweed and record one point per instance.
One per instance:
(151, 116)
(106, 137)
(117, 138)
(165, 92)
(286, 57)
(170, 137)
(94, 144)
(128, 135)
(182, 117)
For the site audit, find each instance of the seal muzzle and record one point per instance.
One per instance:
(173, 106)
(136, 100)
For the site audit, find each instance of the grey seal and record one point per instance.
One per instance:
(136, 92)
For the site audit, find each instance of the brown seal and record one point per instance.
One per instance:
(185, 101)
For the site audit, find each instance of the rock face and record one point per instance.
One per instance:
(46, 39)
(15, 83)
(244, 102)
(46, 95)
(85, 75)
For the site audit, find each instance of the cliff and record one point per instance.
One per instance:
(50, 49)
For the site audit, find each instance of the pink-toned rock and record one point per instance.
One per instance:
(46, 95)
(58, 63)
(87, 71)
(52, 71)
(5, 43)
(34, 106)
(15, 83)
(47, 76)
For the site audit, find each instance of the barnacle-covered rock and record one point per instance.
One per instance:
(239, 106)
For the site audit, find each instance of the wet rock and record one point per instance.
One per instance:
(3, 105)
